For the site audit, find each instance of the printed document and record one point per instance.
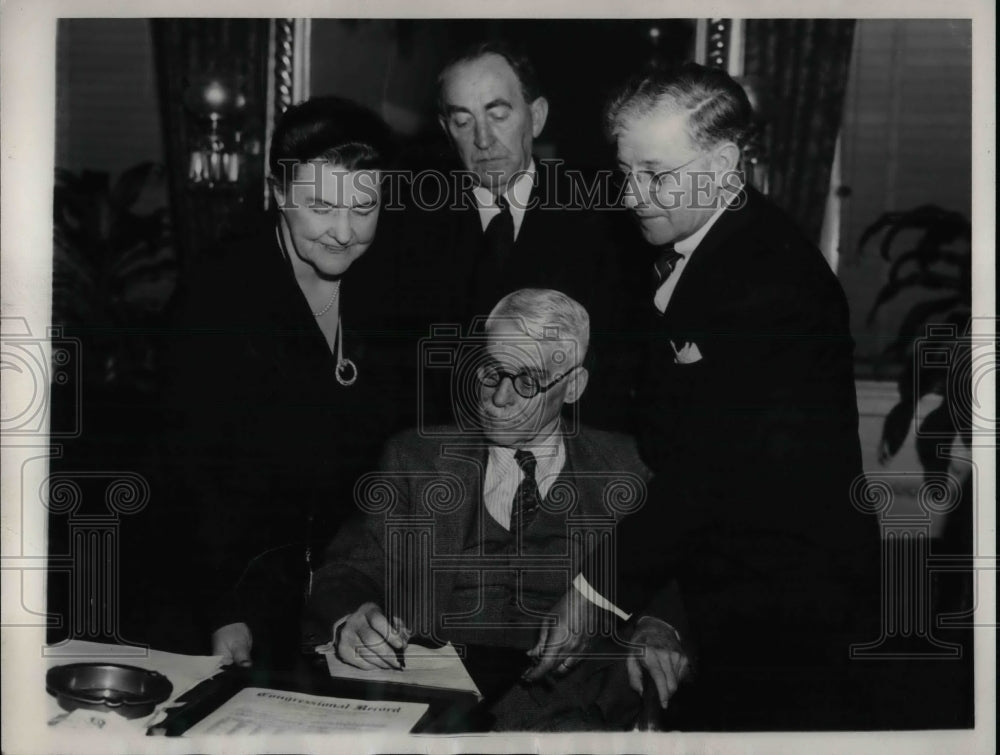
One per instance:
(270, 711)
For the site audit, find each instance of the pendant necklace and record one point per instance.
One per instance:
(346, 371)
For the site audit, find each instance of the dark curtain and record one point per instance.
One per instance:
(184, 50)
(799, 70)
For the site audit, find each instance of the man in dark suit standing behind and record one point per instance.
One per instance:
(749, 423)
(509, 222)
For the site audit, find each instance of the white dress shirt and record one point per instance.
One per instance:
(518, 196)
(686, 248)
(503, 475)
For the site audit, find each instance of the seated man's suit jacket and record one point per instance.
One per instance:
(428, 497)
(435, 485)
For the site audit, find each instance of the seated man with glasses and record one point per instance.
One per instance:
(512, 505)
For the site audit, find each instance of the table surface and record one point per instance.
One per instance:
(495, 670)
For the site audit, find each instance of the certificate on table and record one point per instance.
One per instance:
(257, 711)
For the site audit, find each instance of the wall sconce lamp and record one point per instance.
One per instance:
(218, 106)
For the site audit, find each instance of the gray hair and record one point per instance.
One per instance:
(717, 107)
(545, 315)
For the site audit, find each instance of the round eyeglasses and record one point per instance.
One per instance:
(655, 179)
(525, 384)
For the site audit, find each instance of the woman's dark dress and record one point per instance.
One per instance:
(262, 444)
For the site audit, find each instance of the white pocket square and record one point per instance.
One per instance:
(686, 354)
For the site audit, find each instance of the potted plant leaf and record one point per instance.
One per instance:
(939, 260)
(114, 269)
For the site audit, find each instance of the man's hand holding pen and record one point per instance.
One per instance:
(369, 640)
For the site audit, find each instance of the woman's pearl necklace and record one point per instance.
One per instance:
(333, 300)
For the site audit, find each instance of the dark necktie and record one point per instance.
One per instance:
(665, 264)
(498, 244)
(526, 498)
(500, 231)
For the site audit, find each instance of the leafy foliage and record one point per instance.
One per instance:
(113, 268)
(931, 264)
(940, 260)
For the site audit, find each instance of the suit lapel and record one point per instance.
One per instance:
(694, 287)
(539, 231)
(468, 238)
(589, 473)
(576, 462)
(530, 219)
(466, 246)
(466, 460)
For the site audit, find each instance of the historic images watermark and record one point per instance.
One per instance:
(432, 190)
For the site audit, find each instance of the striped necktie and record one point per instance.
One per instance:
(527, 498)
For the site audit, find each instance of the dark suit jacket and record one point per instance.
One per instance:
(566, 243)
(754, 448)
(440, 480)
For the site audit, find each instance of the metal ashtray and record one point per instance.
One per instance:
(129, 691)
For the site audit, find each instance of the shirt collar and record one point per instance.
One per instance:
(688, 245)
(519, 192)
(549, 452)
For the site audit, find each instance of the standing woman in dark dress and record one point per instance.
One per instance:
(282, 381)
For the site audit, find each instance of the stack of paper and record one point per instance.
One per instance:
(425, 667)
(183, 671)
